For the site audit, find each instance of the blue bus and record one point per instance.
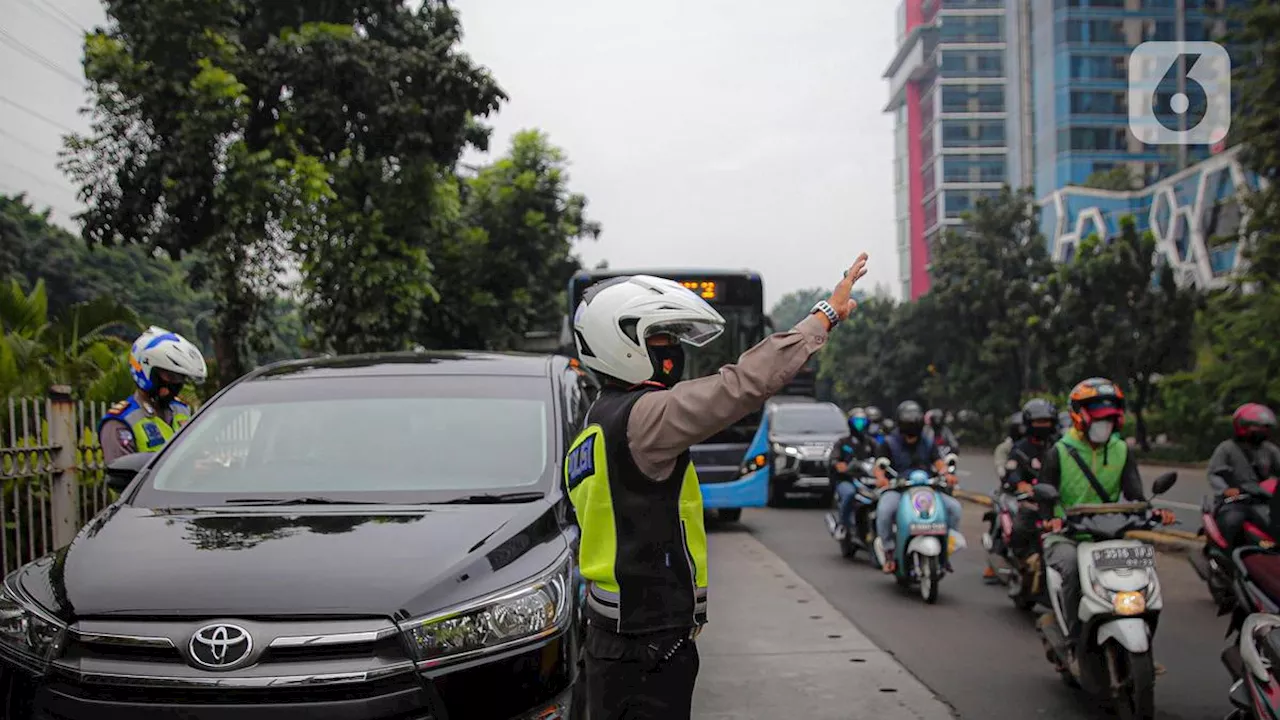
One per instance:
(726, 469)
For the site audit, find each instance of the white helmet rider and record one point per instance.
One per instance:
(616, 316)
(163, 362)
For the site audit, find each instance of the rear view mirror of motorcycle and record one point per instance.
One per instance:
(1046, 494)
(1164, 483)
(952, 462)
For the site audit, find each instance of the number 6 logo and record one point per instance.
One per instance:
(1179, 93)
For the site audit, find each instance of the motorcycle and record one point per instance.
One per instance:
(1020, 575)
(861, 533)
(1251, 657)
(923, 542)
(1120, 603)
(1213, 563)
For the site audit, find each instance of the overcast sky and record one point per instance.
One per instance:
(714, 133)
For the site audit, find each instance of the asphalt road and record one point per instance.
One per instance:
(973, 648)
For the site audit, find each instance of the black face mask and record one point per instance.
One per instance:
(668, 363)
(163, 399)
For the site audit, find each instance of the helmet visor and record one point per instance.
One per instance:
(693, 332)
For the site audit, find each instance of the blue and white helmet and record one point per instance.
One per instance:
(159, 349)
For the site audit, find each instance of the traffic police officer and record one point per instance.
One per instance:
(162, 363)
(643, 551)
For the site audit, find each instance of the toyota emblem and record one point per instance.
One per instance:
(219, 647)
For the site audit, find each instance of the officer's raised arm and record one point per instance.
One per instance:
(663, 425)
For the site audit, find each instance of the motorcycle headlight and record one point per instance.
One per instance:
(529, 612)
(27, 635)
(1129, 603)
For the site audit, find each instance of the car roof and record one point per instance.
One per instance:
(435, 362)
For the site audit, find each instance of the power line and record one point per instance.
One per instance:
(34, 55)
(35, 114)
(35, 177)
(22, 142)
(70, 20)
(73, 26)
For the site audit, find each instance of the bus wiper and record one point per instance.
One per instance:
(494, 499)
(296, 501)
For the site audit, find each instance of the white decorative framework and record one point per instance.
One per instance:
(1167, 218)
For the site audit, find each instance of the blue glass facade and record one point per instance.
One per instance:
(1195, 215)
(1079, 83)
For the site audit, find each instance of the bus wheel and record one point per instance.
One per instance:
(730, 514)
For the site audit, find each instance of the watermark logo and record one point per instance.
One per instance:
(1180, 93)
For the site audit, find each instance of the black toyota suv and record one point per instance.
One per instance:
(375, 537)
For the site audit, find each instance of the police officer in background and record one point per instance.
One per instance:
(635, 492)
(162, 363)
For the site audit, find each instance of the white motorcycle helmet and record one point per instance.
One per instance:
(615, 317)
(159, 349)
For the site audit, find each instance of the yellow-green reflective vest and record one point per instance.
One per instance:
(150, 433)
(643, 550)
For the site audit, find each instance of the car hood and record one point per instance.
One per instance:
(334, 560)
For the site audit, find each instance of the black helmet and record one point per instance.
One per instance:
(858, 420)
(910, 418)
(1016, 428)
(874, 415)
(1040, 418)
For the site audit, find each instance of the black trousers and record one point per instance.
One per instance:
(639, 677)
(1231, 519)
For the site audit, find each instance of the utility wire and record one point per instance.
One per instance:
(34, 55)
(35, 114)
(73, 26)
(22, 142)
(70, 20)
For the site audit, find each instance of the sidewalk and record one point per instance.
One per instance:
(774, 648)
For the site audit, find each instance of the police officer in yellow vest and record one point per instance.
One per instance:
(644, 549)
(162, 363)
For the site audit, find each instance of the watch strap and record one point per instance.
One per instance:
(825, 308)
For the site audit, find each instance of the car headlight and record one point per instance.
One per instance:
(27, 635)
(534, 610)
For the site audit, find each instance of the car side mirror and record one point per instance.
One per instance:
(1164, 483)
(124, 469)
(1046, 494)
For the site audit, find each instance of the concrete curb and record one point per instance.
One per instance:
(1179, 541)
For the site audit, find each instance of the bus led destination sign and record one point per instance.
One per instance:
(706, 289)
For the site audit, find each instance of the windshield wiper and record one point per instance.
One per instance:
(492, 499)
(296, 501)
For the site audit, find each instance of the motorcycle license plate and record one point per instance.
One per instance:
(928, 528)
(1141, 556)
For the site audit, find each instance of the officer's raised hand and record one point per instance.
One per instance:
(841, 299)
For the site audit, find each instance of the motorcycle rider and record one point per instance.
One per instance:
(1015, 433)
(1022, 468)
(939, 433)
(875, 424)
(1240, 463)
(1090, 464)
(162, 363)
(849, 449)
(906, 450)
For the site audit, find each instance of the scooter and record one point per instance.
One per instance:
(1213, 563)
(923, 541)
(1255, 651)
(1021, 576)
(1119, 605)
(861, 532)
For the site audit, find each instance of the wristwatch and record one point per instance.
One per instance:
(825, 308)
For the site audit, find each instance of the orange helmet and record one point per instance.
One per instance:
(1095, 399)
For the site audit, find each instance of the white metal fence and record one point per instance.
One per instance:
(51, 473)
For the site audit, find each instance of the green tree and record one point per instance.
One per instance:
(988, 304)
(504, 272)
(1112, 320)
(1120, 177)
(242, 128)
(794, 306)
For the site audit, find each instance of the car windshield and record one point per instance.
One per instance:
(376, 439)
(805, 419)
